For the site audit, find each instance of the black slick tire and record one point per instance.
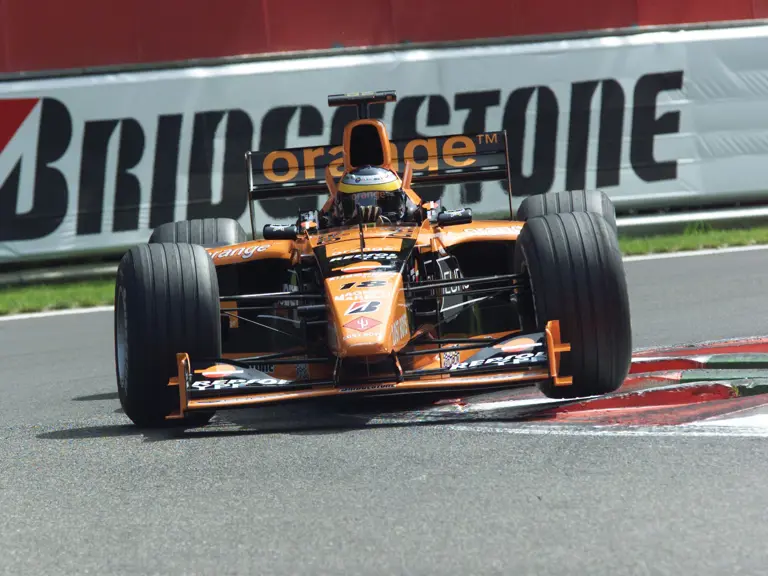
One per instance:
(166, 301)
(594, 201)
(577, 276)
(208, 232)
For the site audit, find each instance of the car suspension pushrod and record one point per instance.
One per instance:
(431, 285)
(272, 296)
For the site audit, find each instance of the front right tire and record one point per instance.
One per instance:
(166, 301)
(594, 201)
(576, 276)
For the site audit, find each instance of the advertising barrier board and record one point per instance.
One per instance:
(94, 163)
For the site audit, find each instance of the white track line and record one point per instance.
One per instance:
(640, 258)
(575, 430)
(755, 421)
(543, 402)
(684, 254)
(48, 314)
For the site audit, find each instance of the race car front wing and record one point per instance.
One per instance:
(214, 384)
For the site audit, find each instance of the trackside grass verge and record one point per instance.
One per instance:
(20, 299)
(695, 237)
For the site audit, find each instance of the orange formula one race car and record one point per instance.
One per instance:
(377, 292)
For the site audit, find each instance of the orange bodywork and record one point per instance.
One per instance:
(376, 326)
(428, 236)
(369, 319)
(363, 331)
(250, 251)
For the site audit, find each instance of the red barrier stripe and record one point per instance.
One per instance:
(146, 31)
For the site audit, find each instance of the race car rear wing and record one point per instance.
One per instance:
(452, 159)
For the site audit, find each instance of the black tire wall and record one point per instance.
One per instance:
(208, 232)
(166, 301)
(577, 277)
(569, 201)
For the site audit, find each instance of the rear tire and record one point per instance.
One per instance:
(594, 201)
(166, 301)
(208, 232)
(577, 277)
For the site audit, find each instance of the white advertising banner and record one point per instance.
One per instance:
(94, 163)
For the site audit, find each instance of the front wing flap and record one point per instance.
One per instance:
(214, 384)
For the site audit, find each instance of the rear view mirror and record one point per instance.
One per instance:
(280, 232)
(453, 217)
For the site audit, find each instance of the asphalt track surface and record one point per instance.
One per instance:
(82, 492)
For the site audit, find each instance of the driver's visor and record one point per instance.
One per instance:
(348, 188)
(350, 201)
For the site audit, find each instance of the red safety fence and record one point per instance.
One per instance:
(54, 34)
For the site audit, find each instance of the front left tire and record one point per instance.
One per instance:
(166, 301)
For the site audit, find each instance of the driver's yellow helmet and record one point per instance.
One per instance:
(368, 193)
(370, 179)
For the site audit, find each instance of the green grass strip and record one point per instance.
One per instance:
(20, 299)
(694, 238)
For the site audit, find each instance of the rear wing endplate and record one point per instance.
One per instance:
(453, 159)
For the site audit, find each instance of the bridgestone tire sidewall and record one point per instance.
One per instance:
(208, 232)
(577, 277)
(166, 301)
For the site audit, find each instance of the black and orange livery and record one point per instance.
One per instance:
(443, 303)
